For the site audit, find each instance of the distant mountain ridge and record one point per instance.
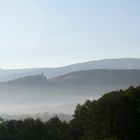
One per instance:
(98, 77)
(122, 63)
(70, 88)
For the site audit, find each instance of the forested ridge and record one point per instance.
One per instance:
(115, 116)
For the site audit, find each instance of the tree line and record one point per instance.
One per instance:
(115, 116)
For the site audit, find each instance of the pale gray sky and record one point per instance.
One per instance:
(51, 33)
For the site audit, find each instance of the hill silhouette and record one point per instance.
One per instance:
(99, 77)
(64, 90)
(33, 80)
(122, 63)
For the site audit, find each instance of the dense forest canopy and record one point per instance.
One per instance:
(115, 116)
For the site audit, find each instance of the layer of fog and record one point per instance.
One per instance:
(34, 100)
(37, 103)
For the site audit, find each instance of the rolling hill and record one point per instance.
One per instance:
(122, 63)
(86, 80)
(36, 92)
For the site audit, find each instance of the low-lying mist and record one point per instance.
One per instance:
(36, 94)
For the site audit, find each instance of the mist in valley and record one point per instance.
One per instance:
(36, 94)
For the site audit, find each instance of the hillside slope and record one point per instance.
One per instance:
(122, 63)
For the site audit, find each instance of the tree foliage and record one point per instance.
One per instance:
(115, 116)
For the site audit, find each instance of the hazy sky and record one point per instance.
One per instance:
(50, 33)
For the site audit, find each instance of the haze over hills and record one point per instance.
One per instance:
(98, 77)
(60, 89)
(61, 94)
(122, 63)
